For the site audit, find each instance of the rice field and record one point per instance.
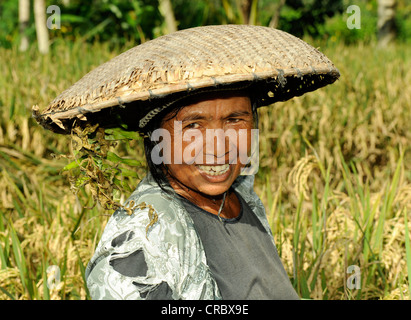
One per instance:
(334, 175)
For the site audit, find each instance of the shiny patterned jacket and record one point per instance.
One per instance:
(171, 246)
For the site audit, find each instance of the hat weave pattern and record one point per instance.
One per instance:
(190, 60)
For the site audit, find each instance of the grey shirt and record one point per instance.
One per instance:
(241, 255)
(138, 259)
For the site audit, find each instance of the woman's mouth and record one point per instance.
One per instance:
(216, 170)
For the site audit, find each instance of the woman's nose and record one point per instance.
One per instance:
(217, 146)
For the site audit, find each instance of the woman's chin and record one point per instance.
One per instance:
(214, 183)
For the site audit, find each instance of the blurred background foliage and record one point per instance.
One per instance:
(346, 148)
(120, 21)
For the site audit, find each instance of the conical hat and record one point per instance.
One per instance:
(144, 79)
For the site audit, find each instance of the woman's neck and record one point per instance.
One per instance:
(228, 202)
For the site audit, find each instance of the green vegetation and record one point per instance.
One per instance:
(335, 176)
(335, 167)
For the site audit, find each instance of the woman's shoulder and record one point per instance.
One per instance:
(244, 186)
(153, 224)
(151, 213)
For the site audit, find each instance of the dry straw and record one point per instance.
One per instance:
(274, 64)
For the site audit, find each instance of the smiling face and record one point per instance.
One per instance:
(205, 135)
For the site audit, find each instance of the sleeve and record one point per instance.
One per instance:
(137, 259)
(125, 278)
(120, 270)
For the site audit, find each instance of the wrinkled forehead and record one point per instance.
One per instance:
(216, 108)
(216, 95)
(214, 104)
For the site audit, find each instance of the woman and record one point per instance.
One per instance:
(194, 227)
(211, 227)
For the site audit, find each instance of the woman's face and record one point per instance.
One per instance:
(210, 139)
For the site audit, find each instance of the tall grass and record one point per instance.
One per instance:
(335, 177)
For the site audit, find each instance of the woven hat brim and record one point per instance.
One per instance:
(275, 64)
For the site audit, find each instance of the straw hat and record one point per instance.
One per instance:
(144, 80)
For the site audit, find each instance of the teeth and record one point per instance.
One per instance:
(214, 170)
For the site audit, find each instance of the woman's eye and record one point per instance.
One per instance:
(233, 120)
(193, 125)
